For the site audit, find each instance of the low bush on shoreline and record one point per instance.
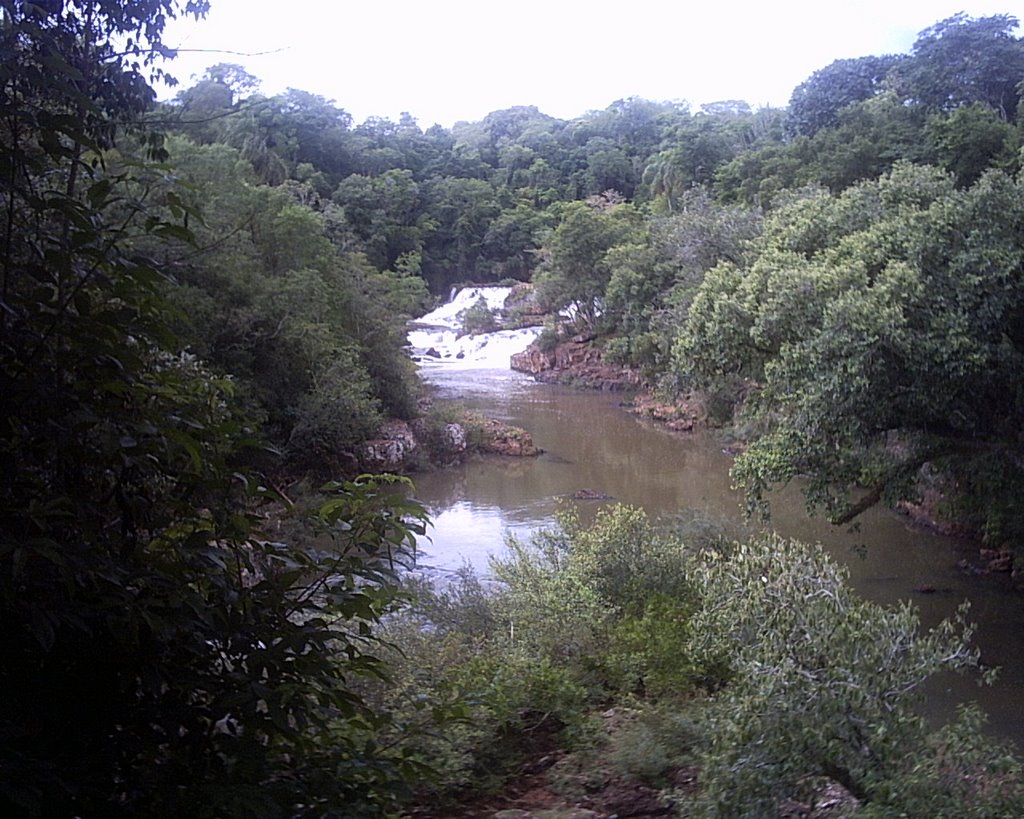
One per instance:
(753, 663)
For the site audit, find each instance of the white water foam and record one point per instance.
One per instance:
(434, 339)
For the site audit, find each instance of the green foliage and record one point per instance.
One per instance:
(552, 334)
(312, 333)
(530, 654)
(654, 742)
(855, 118)
(463, 211)
(817, 101)
(478, 318)
(752, 663)
(575, 271)
(972, 139)
(817, 681)
(163, 654)
(643, 652)
(869, 138)
(962, 772)
(550, 611)
(473, 202)
(667, 179)
(881, 328)
(466, 701)
(653, 282)
(864, 141)
(756, 177)
(334, 417)
(624, 559)
(965, 60)
(226, 672)
(385, 212)
(612, 598)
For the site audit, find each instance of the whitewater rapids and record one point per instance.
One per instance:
(434, 338)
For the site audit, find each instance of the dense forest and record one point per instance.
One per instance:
(202, 319)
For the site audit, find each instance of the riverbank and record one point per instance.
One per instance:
(580, 363)
(442, 436)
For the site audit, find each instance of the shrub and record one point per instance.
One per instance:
(652, 743)
(551, 335)
(479, 318)
(468, 699)
(961, 772)
(818, 681)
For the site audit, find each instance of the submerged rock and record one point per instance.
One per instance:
(590, 494)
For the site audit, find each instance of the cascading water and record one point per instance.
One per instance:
(435, 341)
(474, 370)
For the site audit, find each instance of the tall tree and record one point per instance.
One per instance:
(971, 139)
(963, 60)
(881, 330)
(666, 178)
(574, 271)
(817, 101)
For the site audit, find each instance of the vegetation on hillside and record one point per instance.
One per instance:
(164, 653)
(203, 308)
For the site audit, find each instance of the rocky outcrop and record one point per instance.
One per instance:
(400, 447)
(391, 450)
(580, 363)
(504, 439)
(577, 362)
(928, 513)
(997, 560)
(454, 437)
(680, 415)
(521, 308)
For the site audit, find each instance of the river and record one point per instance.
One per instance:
(591, 442)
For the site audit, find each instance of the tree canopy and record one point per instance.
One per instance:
(882, 331)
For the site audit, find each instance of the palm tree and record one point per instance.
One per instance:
(666, 177)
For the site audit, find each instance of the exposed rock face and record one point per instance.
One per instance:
(575, 362)
(998, 560)
(390, 451)
(455, 438)
(679, 416)
(504, 439)
(438, 446)
(400, 447)
(579, 362)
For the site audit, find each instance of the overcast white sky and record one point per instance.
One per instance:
(451, 60)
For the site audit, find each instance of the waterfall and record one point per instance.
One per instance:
(434, 340)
